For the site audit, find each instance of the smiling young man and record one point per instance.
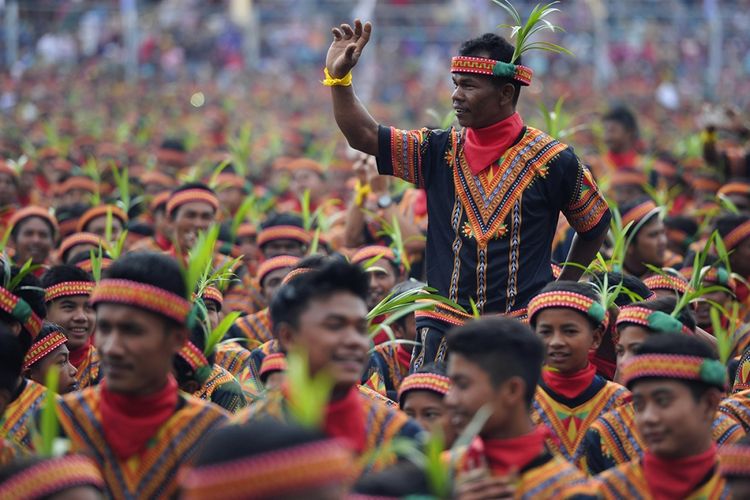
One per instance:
(32, 235)
(136, 424)
(495, 187)
(323, 313)
(496, 363)
(67, 293)
(677, 384)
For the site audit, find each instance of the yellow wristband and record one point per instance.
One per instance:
(360, 191)
(707, 136)
(336, 82)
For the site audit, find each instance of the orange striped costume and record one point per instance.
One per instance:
(737, 406)
(153, 474)
(17, 420)
(88, 374)
(222, 389)
(256, 327)
(232, 357)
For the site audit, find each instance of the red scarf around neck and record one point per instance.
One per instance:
(345, 419)
(403, 354)
(628, 159)
(504, 455)
(129, 422)
(669, 479)
(77, 356)
(572, 385)
(484, 146)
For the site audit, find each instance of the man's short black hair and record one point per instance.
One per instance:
(667, 305)
(503, 348)
(623, 116)
(679, 345)
(62, 273)
(284, 219)
(335, 275)
(497, 48)
(629, 282)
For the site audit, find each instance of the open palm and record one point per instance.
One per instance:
(346, 47)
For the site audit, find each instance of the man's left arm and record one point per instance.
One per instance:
(582, 253)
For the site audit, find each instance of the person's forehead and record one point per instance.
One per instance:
(338, 304)
(195, 206)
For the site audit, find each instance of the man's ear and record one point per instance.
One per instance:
(710, 402)
(398, 331)
(285, 335)
(598, 336)
(507, 92)
(181, 336)
(514, 391)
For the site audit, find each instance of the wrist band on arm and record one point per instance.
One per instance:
(344, 81)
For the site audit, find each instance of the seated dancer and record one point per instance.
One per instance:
(136, 424)
(48, 350)
(61, 478)
(323, 313)
(422, 397)
(734, 464)
(257, 327)
(613, 438)
(649, 238)
(67, 293)
(496, 363)
(570, 321)
(199, 375)
(264, 459)
(22, 312)
(677, 383)
(33, 231)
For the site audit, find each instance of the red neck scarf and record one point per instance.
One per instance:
(403, 354)
(484, 146)
(162, 242)
(668, 479)
(345, 419)
(569, 386)
(604, 367)
(130, 421)
(504, 455)
(628, 159)
(77, 356)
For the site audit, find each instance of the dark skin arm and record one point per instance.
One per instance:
(582, 252)
(355, 122)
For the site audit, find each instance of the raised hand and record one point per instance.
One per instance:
(346, 47)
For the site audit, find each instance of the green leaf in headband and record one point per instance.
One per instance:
(597, 312)
(202, 373)
(22, 311)
(722, 275)
(713, 372)
(660, 321)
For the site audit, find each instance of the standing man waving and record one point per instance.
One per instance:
(495, 187)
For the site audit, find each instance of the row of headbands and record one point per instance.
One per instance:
(274, 264)
(709, 371)
(34, 211)
(424, 382)
(370, 252)
(666, 282)
(143, 296)
(658, 321)
(40, 349)
(52, 476)
(189, 196)
(639, 212)
(68, 289)
(736, 235)
(21, 311)
(283, 233)
(277, 473)
(101, 211)
(491, 67)
(213, 294)
(570, 300)
(274, 362)
(195, 358)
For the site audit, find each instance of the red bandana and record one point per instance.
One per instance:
(604, 367)
(569, 386)
(484, 146)
(404, 356)
(668, 479)
(504, 455)
(77, 356)
(345, 419)
(130, 421)
(628, 159)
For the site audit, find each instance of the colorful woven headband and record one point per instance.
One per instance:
(193, 356)
(157, 178)
(87, 265)
(213, 294)
(81, 239)
(82, 183)
(189, 196)
(226, 181)
(159, 200)
(283, 233)
(424, 382)
(28, 212)
(274, 474)
(246, 230)
(638, 212)
(40, 349)
(294, 273)
(740, 188)
(274, 362)
(674, 234)
(21, 311)
(737, 235)
(306, 164)
(96, 212)
(706, 184)
(275, 263)
(364, 254)
(734, 460)
(570, 300)
(677, 366)
(68, 289)
(143, 296)
(720, 276)
(658, 321)
(490, 67)
(52, 476)
(670, 283)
